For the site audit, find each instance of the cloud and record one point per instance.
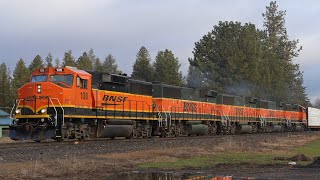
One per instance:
(310, 53)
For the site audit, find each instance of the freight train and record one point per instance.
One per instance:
(68, 103)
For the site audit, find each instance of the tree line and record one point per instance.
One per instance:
(166, 65)
(232, 58)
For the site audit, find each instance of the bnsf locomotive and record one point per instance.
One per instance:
(68, 103)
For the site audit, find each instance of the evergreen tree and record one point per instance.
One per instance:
(195, 78)
(84, 62)
(57, 62)
(49, 60)
(286, 80)
(142, 69)
(167, 68)
(93, 59)
(20, 76)
(298, 91)
(260, 60)
(228, 54)
(98, 66)
(110, 65)
(68, 59)
(5, 87)
(35, 64)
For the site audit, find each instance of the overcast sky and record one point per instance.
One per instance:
(121, 27)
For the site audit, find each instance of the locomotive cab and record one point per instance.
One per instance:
(43, 103)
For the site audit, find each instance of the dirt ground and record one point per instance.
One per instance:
(122, 159)
(235, 173)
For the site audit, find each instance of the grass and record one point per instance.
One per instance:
(310, 149)
(243, 156)
(213, 160)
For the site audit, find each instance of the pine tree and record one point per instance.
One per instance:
(233, 54)
(167, 68)
(98, 66)
(5, 87)
(110, 65)
(298, 91)
(142, 69)
(20, 76)
(49, 60)
(195, 78)
(93, 59)
(285, 78)
(35, 64)
(68, 59)
(57, 62)
(230, 53)
(84, 62)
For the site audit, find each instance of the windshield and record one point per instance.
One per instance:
(39, 78)
(64, 79)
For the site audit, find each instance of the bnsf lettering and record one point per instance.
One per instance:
(271, 114)
(31, 97)
(187, 106)
(115, 98)
(239, 111)
(36, 97)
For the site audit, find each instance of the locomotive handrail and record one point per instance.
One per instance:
(11, 112)
(12, 109)
(262, 120)
(288, 122)
(160, 117)
(166, 119)
(56, 116)
(17, 105)
(56, 120)
(224, 117)
(170, 117)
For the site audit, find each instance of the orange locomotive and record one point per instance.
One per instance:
(68, 103)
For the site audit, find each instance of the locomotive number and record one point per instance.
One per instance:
(189, 107)
(84, 95)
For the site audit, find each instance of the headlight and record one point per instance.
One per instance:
(18, 111)
(39, 88)
(43, 111)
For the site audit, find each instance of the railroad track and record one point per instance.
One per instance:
(51, 143)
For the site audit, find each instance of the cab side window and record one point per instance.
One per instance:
(82, 83)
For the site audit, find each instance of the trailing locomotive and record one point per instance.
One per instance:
(68, 103)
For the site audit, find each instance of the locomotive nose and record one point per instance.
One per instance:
(31, 88)
(38, 88)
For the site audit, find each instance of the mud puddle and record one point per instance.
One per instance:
(136, 175)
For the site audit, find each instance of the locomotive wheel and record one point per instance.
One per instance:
(233, 129)
(254, 129)
(212, 129)
(59, 139)
(163, 134)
